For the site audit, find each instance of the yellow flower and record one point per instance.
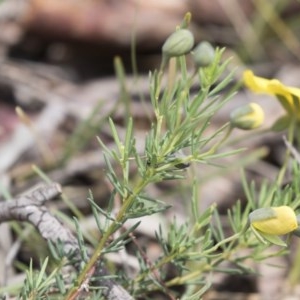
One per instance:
(289, 97)
(274, 220)
(247, 117)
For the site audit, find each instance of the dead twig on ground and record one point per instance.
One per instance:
(31, 208)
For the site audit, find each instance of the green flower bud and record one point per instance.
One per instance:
(178, 43)
(247, 117)
(274, 220)
(204, 54)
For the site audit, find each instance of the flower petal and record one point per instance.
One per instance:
(273, 87)
(247, 117)
(275, 220)
(257, 84)
(294, 91)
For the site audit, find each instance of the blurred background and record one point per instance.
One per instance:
(84, 36)
(57, 62)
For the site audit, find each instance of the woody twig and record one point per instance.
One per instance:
(31, 208)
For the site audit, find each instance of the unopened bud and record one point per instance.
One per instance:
(204, 54)
(274, 220)
(178, 43)
(247, 117)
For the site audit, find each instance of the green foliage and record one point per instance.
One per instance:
(37, 284)
(180, 134)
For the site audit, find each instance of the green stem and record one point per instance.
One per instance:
(121, 216)
(225, 241)
(192, 275)
(225, 137)
(200, 270)
(216, 146)
(251, 134)
(195, 274)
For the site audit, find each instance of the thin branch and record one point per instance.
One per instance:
(31, 208)
(292, 149)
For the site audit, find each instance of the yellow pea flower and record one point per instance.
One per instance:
(274, 220)
(289, 97)
(247, 117)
